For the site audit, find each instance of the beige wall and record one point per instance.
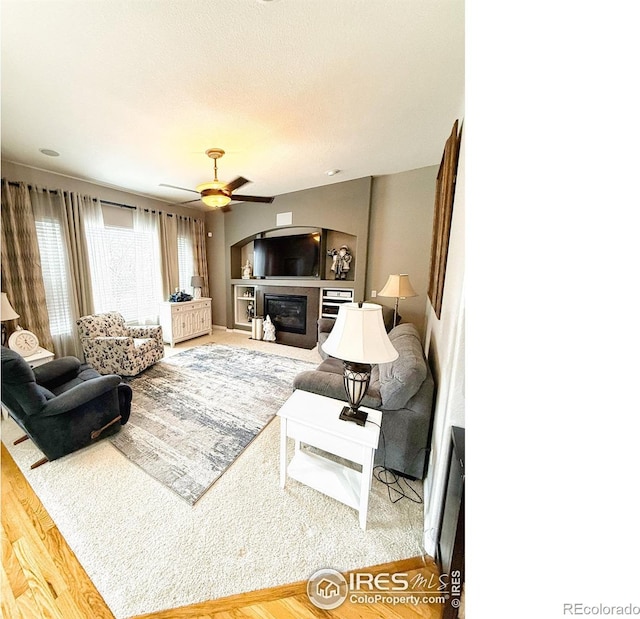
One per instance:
(217, 266)
(390, 215)
(445, 341)
(400, 237)
(16, 172)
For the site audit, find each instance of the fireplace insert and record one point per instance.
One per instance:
(288, 312)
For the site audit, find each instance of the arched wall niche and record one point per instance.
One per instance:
(242, 251)
(342, 208)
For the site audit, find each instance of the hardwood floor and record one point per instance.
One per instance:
(42, 578)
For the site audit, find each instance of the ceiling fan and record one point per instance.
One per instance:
(217, 194)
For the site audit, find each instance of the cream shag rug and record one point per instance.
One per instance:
(147, 550)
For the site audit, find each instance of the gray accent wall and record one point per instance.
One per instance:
(391, 216)
(341, 206)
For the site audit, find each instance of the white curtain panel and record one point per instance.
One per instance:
(147, 271)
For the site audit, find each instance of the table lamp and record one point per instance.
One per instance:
(359, 339)
(6, 313)
(400, 287)
(197, 282)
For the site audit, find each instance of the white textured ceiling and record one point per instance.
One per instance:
(131, 93)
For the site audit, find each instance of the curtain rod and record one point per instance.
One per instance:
(114, 203)
(135, 208)
(56, 191)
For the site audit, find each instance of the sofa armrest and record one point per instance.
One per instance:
(56, 370)
(151, 331)
(123, 341)
(332, 386)
(325, 325)
(79, 395)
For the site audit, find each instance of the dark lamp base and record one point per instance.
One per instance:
(358, 417)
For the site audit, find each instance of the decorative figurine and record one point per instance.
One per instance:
(246, 271)
(341, 261)
(250, 311)
(269, 333)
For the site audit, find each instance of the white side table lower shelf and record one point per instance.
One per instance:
(313, 420)
(40, 357)
(335, 480)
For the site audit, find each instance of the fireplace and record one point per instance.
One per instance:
(288, 312)
(294, 311)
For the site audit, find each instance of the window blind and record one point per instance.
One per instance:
(125, 272)
(185, 262)
(54, 274)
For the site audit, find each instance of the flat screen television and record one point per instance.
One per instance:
(287, 256)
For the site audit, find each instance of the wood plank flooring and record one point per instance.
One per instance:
(42, 578)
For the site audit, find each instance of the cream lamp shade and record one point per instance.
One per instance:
(359, 335)
(400, 287)
(6, 311)
(359, 339)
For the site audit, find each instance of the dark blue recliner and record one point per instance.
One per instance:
(63, 405)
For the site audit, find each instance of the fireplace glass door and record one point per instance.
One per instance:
(287, 312)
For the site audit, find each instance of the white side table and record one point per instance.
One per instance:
(40, 357)
(314, 420)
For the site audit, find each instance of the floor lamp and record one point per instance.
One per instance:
(359, 339)
(400, 287)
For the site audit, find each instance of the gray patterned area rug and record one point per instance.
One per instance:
(195, 412)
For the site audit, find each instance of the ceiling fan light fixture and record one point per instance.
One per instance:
(216, 201)
(213, 194)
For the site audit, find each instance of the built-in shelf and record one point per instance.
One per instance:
(295, 281)
(245, 298)
(332, 298)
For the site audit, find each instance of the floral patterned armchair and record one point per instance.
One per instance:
(111, 347)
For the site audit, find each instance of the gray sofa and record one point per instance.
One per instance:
(402, 390)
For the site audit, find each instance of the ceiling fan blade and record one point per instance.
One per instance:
(176, 187)
(183, 203)
(238, 182)
(240, 198)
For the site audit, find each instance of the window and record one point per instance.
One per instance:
(54, 274)
(125, 272)
(185, 263)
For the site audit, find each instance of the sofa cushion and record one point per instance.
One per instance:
(400, 380)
